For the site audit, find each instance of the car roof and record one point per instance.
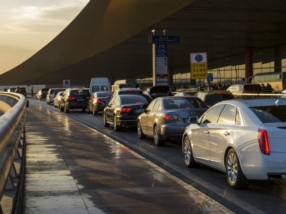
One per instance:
(258, 102)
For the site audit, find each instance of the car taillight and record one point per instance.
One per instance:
(168, 117)
(71, 98)
(126, 110)
(263, 142)
(99, 101)
(174, 118)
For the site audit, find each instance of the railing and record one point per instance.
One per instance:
(12, 139)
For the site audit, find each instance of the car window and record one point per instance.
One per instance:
(197, 103)
(95, 88)
(133, 99)
(270, 114)
(212, 115)
(103, 94)
(104, 88)
(227, 115)
(79, 93)
(252, 88)
(150, 106)
(157, 105)
(237, 118)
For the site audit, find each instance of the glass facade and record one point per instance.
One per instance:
(231, 70)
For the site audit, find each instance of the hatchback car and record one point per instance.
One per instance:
(167, 117)
(98, 101)
(42, 93)
(74, 99)
(243, 138)
(245, 88)
(212, 97)
(123, 110)
(58, 98)
(52, 92)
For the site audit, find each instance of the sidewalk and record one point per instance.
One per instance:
(74, 169)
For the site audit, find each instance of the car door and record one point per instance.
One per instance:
(152, 116)
(200, 136)
(109, 109)
(144, 116)
(220, 134)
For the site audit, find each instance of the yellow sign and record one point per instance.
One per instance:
(199, 70)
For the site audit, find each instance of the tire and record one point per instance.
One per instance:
(188, 153)
(140, 133)
(157, 139)
(115, 126)
(234, 175)
(61, 108)
(104, 121)
(66, 110)
(94, 112)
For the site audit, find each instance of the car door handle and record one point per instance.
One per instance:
(207, 132)
(226, 133)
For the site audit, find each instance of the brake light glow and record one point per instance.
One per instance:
(219, 92)
(168, 117)
(71, 98)
(263, 142)
(99, 101)
(126, 109)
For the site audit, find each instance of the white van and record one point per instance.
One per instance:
(99, 84)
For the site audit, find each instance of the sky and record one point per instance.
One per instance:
(26, 26)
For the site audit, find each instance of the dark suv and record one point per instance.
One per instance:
(212, 97)
(74, 98)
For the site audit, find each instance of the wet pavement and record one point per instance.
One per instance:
(71, 168)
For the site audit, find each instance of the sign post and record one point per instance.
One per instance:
(199, 66)
(66, 83)
(160, 57)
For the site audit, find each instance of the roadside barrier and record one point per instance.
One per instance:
(12, 140)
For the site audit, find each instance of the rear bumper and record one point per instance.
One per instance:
(172, 131)
(76, 105)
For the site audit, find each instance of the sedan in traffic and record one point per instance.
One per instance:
(98, 101)
(243, 138)
(123, 110)
(167, 117)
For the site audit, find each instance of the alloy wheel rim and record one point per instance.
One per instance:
(187, 151)
(232, 166)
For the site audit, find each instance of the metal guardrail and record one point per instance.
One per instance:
(12, 139)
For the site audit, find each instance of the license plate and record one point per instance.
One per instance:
(138, 111)
(80, 99)
(187, 120)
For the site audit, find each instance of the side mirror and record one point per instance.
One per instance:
(193, 120)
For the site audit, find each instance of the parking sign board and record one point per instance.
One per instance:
(66, 83)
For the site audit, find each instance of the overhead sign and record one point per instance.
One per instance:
(165, 39)
(199, 66)
(210, 77)
(66, 83)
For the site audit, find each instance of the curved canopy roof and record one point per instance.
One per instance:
(110, 38)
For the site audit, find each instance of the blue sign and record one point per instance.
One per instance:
(161, 50)
(165, 39)
(210, 77)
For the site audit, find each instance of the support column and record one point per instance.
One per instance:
(248, 63)
(277, 59)
(170, 75)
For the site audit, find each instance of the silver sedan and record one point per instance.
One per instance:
(246, 139)
(166, 118)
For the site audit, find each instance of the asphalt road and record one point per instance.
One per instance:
(259, 197)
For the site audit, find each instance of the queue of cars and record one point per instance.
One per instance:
(243, 138)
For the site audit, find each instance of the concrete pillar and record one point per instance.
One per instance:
(248, 63)
(170, 75)
(277, 59)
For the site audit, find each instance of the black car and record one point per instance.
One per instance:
(74, 98)
(21, 90)
(123, 110)
(98, 101)
(132, 91)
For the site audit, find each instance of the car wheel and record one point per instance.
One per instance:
(66, 110)
(94, 112)
(104, 121)
(115, 126)
(234, 174)
(188, 153)
(141, 135)
(157, 139)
